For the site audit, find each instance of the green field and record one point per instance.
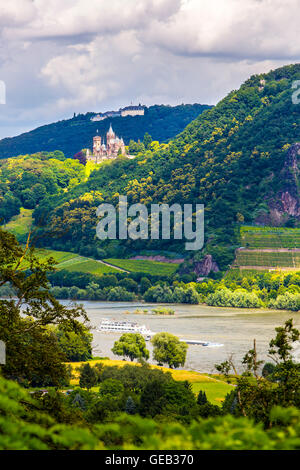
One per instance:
(86, 265)
(270, 237)
(215, 391)
(144, 266)
(73, 262)
(19, 225)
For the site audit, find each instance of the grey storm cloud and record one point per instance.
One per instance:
(57, 57)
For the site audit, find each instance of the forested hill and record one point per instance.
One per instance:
(238, 158)
(72, 135)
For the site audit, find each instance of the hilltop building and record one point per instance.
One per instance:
(114, 146)
(133, 111)
(123, 112)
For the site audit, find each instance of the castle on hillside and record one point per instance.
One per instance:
(114, 147)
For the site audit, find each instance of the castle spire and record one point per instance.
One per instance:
(110, 132)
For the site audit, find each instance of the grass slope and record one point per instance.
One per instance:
(19, 225)
(215, 389)
(72, 262)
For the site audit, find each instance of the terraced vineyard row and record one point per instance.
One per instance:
(270, 237)
(271, 259)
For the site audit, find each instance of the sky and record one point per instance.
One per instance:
(58, 57)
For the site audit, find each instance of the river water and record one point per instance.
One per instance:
(234, 328)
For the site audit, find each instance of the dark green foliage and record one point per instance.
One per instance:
(88, 376)
(28, 179)
(208, 410)
(268, 369)
(33, 354)
(130, 407)
(169, 399)
(202, 398)
(76, 346)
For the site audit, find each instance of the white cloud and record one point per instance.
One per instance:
(58, 57)
(248, 29)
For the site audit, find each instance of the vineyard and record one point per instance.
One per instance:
(268, 248)
(271, 259)
(270, 237)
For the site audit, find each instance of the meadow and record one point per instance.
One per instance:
(215, 389)
(20, 224)
(144, 266)
(72, 262)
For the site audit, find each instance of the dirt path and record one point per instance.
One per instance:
(112, 266)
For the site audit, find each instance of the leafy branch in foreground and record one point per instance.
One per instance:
(33, 354)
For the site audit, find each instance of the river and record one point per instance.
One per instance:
(234, 328)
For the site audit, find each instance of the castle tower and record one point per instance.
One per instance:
(96, 144)
(110, 141)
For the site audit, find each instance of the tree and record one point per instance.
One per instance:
(145, 284)
(268, 369)
(88, 376)
(168, 349)
(201, 399)
(257, 395)
(132, 345)
(111, 387)
(33, 354)
(76, 346)
(130, 407)
(147, 140)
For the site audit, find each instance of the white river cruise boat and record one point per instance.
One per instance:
(123, 327)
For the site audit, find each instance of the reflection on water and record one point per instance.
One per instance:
(234, 328)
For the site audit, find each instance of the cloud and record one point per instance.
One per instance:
(57, 57)
(75, 19)
(248, 29)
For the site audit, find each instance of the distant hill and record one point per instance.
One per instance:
(240, 159)
(72, 135)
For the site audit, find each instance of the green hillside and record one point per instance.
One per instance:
(237, 158)
(72, 135)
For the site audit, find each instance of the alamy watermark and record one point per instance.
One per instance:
(296, 94)
(2, 353)
(2, 92)
(163, 222)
